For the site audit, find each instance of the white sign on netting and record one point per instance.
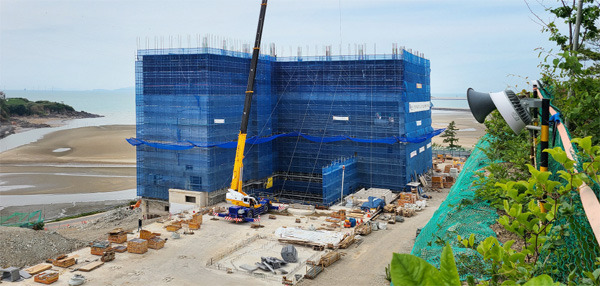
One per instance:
(419, 106)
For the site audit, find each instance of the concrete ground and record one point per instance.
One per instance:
(184, 261)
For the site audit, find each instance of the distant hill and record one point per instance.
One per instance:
(23, 107)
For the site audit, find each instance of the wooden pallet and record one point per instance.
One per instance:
(46, 278)
(120, 248)
(38, 268)
(91, 266)
(173, 227)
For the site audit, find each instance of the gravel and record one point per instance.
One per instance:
(21, 247)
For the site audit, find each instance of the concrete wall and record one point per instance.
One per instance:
(179, 196)
(154, 207)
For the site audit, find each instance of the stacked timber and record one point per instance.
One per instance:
(347, 241)
(329, 258)
(120, 248)
(156, 243)
(99, 247)
(117, 235)
(63, 261)
(144, 234)
(137, 245)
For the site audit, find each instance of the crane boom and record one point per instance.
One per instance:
(236, 181)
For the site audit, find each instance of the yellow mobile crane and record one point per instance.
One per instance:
(246, 208)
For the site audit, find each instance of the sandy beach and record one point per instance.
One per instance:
(81, 160)
(469, 130)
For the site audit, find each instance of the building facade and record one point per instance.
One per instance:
(314, 121)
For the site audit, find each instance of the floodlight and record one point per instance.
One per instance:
(507, 103)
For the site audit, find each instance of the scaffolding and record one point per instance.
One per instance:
(309, 117)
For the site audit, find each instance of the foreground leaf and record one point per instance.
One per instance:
(411, 270)
(448, 271)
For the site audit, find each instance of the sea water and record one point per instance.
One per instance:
(449, 100)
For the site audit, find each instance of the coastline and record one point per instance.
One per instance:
(19, 124)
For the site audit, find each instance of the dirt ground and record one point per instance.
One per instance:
(365, 264)
(184, 261)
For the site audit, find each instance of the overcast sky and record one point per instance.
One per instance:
(79, 45)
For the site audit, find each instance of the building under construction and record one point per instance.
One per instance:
(316, 123)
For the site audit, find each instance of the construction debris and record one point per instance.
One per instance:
(363, 228)
(109, 255)
(76, 280)
(270, 264)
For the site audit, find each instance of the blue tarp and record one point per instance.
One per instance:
(256, 140)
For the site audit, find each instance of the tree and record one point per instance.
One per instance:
(450, 136)
(573, 70)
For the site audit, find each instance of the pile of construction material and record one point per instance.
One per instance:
(362, 196)
(315, 268)
(446, 170)
(312, 238)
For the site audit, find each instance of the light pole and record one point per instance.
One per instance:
(342, 190)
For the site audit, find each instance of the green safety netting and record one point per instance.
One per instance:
(580, 248)
(460, 215)
(22, 219)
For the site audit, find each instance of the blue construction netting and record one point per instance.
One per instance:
(257, 140)
(332, 180)
(373, 108)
